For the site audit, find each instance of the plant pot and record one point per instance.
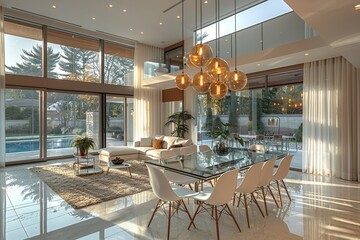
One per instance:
(222, 148)
(83, 152)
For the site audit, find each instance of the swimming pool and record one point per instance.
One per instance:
(34, 145)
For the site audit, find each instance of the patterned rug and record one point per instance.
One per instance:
(82, 191)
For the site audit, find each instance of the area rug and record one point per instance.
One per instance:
(82, 191)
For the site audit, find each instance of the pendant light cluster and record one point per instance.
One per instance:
(217, 79)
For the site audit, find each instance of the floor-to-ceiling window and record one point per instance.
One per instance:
(43, 114)
(259, 110)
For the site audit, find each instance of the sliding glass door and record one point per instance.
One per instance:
(22, 125)
(115, 107)
(69, 115)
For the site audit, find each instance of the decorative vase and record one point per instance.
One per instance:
(222, 148)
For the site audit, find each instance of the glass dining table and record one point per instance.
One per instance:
(206, 166)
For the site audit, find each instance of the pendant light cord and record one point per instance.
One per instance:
(201, 31)
(235, 35)
(182, 29)
(218, 21)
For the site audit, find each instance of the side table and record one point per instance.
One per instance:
(85, 165)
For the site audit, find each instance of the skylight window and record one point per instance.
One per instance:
(252, 16)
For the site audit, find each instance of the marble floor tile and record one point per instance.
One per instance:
(321, 208)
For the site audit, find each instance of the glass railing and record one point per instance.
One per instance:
(154, 69)
(273, 33)
(278, 31)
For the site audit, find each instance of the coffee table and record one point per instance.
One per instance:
(124, 165)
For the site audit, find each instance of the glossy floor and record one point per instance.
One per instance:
(322, 208)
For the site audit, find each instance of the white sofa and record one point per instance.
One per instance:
(143, 149)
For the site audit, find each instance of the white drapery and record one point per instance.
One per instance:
(331, 131)
(147, 100)
(2, 89)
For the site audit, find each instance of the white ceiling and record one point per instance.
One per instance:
(336, 22)
(141, 16)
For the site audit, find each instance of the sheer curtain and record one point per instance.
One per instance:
(331, 119)
(147, 100)
(2, 89)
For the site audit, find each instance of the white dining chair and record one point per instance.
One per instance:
(265, 180)
(173, 196)
(170, 156)
(204, 148)
(281, 173)
(248, 185)
(218, 199)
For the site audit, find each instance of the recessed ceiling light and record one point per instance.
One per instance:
(177, 16)
(160, 23)
(307, 54)
(110, 5)
(131, 29)
(124, 10)
(141, 32)
(205, 2)
(53, 6)
(93, 18)
(258, 64)
(357, 7)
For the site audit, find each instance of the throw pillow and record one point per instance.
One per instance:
(145, 142)
(168, 141)
(157, 143)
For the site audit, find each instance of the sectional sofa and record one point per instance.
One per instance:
(145, 148)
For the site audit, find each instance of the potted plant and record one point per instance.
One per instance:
(222, 137)
(179, 119)
(83, 144)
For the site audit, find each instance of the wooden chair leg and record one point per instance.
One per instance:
(278, 186)
(155, 210)
(187, 211)
(196, 213)
(217, 223)
(257, 204)
(272, 195)
(238, 204)
(264, 197)
(286, 189)
(233, 217)
(246, 210)
(169, 221)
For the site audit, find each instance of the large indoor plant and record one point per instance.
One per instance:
(221, 137)
(83, 144)
(179, 120)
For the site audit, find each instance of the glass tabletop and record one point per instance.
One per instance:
(208, 165)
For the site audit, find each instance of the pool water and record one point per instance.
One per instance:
(34, 145)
